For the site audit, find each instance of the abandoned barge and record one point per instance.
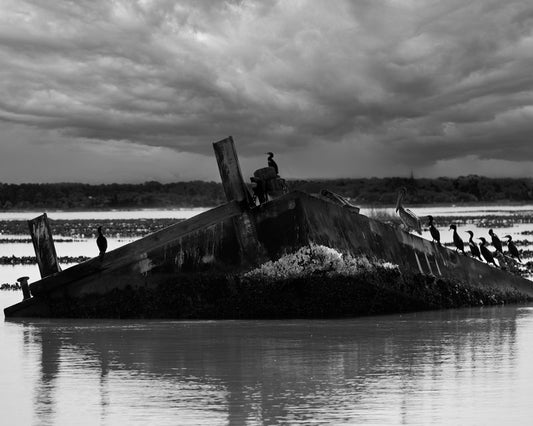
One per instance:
(193, 269)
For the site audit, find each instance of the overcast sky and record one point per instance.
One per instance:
(129, 91)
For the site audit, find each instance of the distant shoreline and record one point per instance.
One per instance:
(196, 208)
(463, 191)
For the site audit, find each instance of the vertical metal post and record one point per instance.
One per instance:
(43, 243)
(252, 251)
(230, 172)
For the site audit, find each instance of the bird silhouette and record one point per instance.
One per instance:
(485, 252)
(457, 240)
(101, 242)
(474, 249)
(408, 218)
(513, 251)
(496, 241)
(435, 234)
(272, 163)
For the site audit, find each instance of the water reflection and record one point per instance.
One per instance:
(425, 368)
(44, 390)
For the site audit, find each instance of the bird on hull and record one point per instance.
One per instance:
(101, 242)
(496, 241)
(408, 218)
(457, 240)
(272, 163)
(513, 251)
(435, 234)
(474, 249)
(485, 252)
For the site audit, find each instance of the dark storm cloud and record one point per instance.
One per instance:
(418, 81)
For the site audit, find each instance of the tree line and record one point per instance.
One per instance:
(68, 196)
(443, 190)
(364, 191)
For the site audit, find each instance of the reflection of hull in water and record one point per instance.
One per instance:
(210, 244)
(197, 262)
(273, 365)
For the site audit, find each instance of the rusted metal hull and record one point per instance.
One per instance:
(209, 243)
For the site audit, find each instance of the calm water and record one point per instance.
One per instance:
(471, 367)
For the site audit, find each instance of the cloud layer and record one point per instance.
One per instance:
(334, 88)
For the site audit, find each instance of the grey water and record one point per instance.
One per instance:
(469, 366)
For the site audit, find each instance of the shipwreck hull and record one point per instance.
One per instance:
(201, 259)
(283, 226)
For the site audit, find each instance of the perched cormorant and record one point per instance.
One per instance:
(435, 234)
(408, 218)
(513, 251)
(101, 242)
(485, 252)
(272, 163)
(457, 240)
(474, 249)
(496, 241)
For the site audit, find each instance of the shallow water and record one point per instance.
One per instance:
(107, 214)
(470, 366)
(474, 211)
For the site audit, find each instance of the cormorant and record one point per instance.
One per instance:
(272, 163)
(513, 251)
(457, 240)
(485, 252)
(496, 241)
(474, 249)
(101, 242)
(435, 234)
(408, 218)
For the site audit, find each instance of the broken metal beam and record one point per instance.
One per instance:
(43, 243)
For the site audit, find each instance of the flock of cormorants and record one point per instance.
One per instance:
(481, 252)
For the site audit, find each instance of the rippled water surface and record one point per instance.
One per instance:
(469, 367)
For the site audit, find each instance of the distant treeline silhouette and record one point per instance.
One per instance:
(66, 196)
(364, 191)
(443, 190)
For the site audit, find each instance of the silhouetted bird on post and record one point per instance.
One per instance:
(408, 218)
(435, 234)
(485, 252)
(474, 249)
(513, 251)
(457, 240)
(272, 163)
(496, 241)
(101, 242)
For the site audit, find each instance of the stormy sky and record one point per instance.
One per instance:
(129, 91)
